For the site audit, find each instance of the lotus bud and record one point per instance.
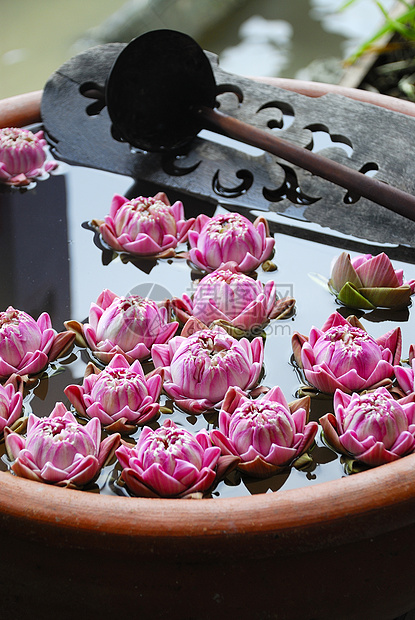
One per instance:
(368, 282)
(201, 367)
(59, 450)
(372, 428)
(233, 299)
(169, 462)
(127, 325)
(22, 156)
(229, 237)
(267, 434)
(120, 396)
(342, 355)
(27, 346)
(145, 226)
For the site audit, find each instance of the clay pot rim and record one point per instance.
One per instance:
(354, 507)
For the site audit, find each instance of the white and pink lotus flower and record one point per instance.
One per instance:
(368, 282)
(342, 355)
(129, 326)
(201, 364)
(172, 462)
(22, 156)
(145, 226)
(59, 450)
(229, 237)
(28, 346)
(267, 434)
(372, 428)
(120, 396)
(233, 300)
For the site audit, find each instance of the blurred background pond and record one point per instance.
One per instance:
(306, 39)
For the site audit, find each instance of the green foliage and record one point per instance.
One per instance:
(404, 25)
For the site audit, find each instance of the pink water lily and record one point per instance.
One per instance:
(27, 346)
(59, 450)
(22, 156)
(233, 299)
(128, 325)
(229, 237)
(145, 226)
(171, 462)
(267, 434)
(120, 396)
(11, 401)
(201, 367)
(373, 428)
(342, 355)
(369, 281)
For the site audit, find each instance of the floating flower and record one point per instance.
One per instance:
(373, 428)
(369, 281)
(11, 401)
(27, 346)
(128, 325)
(59, 450)
(267, 434)
(145, 226)
(234, 300)
(171, 462)
(120, 396)
(342, 355)
(201, 367)
(22, 156)
(229, 237)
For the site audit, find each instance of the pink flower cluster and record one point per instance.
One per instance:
(370, 423)
(215, 363)
(152, 227)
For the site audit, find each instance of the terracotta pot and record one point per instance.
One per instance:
(341, 549)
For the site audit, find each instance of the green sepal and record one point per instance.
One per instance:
(351, 297)
(388, 297)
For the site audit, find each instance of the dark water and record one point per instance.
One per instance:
(50, 263)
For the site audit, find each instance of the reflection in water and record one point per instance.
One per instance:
(264, 43)
(34, 250)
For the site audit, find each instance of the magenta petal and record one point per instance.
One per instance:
(378, 455)
(75, 395)
(249, 263)
(162, 483)
(95, 410)
(280, 455)
(324, 382)
(341, 399)
(220, 440)
(405, 378)
(109, 237)
(33, 364)
(404, 444)
(143, 246)
(377, 271)
(14, 444)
